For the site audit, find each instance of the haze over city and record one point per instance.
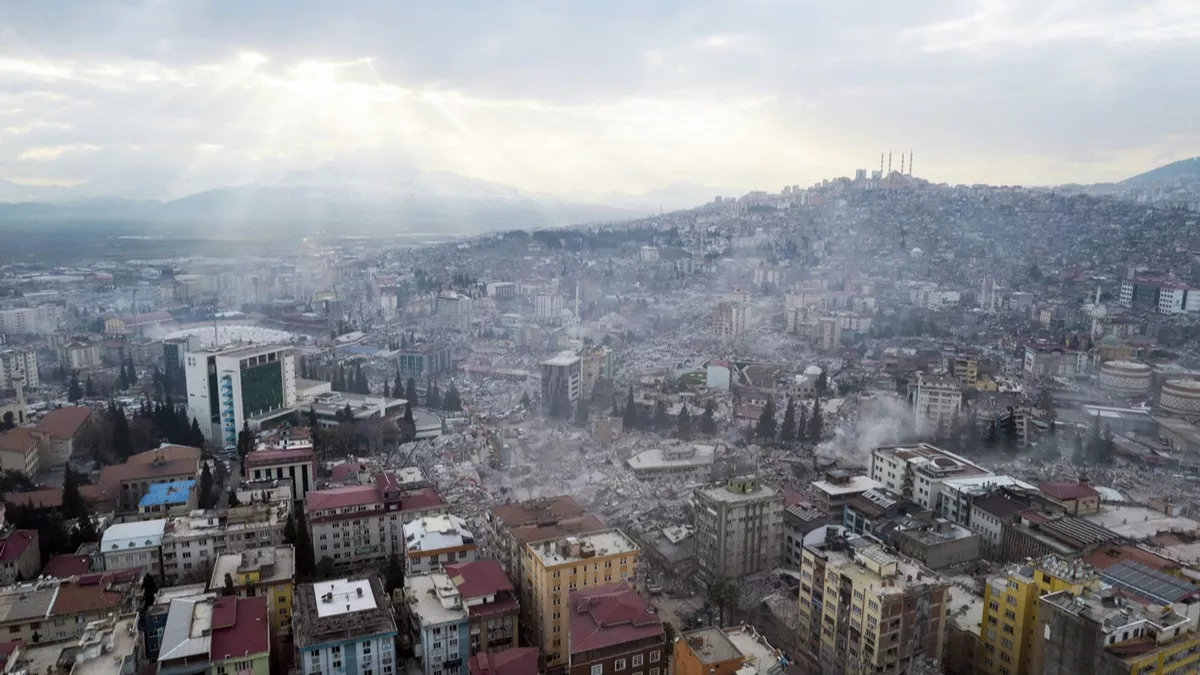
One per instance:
(161, 99)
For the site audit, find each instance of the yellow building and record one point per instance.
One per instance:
(1010, 611)
(555, 567)
(964, 367)
(260, 572)
(855, 602)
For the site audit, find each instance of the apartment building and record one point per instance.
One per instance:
(18, 365)
(296, 463)
(56, 609)
(21, 451)
(466, 610)
(1010, 610)
(512, 526)
(132, 480)
(191, 544)
(731, 318)
(261, 572)
(345, 626)
(433, 542)
(864, 609)
(562, 377)
(719, 651)
(454, 311)
(20, 557)
(613, 630)
(1109, 632)
(935, 400)
(555, 567)
(216, 636)
(357, 525)
(917, 472)
(739, 528)
(839, 486)
(136, 545)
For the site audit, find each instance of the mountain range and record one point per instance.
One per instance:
(399, 198)
(1167, 172)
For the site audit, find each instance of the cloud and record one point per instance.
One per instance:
(621, 95)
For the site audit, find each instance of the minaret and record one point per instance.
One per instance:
(889, 163)
(910, 153)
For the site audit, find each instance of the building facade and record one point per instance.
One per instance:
(227, 386)
(612, 630)
(739, 529)
(345, 626)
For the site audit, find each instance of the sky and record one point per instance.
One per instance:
(165, 97)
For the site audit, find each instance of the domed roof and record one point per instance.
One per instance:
(1110, 341)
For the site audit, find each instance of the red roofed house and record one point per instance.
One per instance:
(515, 661)
(373, 514)
(67, 565)
(1077, 499)
(64, 426)
(19, 555)
(226, 634)
(491, 604)
(612, 630)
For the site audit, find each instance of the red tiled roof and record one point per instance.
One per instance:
(168, 452)
(64, 423)
(513, 661)
(274, 457)
(20, 439)
(563, 528)
(340, 497)
(91, 593)
(1063, 491)
(479, 578)
(609, 615)
(425, 498)
(7, 649)
(50, 498)
(67, 566)
(341, 471)
(239, 628)
(540, 510)
(1000, 506)
(1108, 555)
(12, 546)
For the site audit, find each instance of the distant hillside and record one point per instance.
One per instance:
(1168, 172)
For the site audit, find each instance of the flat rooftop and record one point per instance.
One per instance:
(855, 485)
(573, 549)
(966, 610)
(335, 623)
(721, 493)
(755, 649)
(666, 458)
(343, 596)
(711, 646)
(1139, 522)
(433, 597)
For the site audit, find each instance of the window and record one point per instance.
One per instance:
(598, 669)
(654, 671)
(994, 606)
(619, 665)
(654, 657)
(637, 660)
(1012, 600)
(1010, 615)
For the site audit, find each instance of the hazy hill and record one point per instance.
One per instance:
(1168, 172)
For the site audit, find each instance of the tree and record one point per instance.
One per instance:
(822, 384)
(582, 412)
(228, 590)
(74, 391)
(73, 505)
(723, 594)
(387, 389)
(765, 428)
(525, 402)
(149, 591)
(630, 418)
(708, 422)
(816, 422)
(325, 568)
(1078, 455)
(683, 423)
(394, 577)
(1008, 430)
(289, 530)
(122, 438)
(245, 442)
(801, 424)
(433, 398)
(9, 422)
(662, 421)
(787, 434)
(206, 497)
(195, 435)
(89, 389)
(452, 401)
(306, 565)
(410, 389)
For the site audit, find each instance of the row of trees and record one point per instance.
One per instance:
(61, 530)
(798, 425)
(661, 422)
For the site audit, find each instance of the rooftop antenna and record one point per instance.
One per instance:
(889, 163)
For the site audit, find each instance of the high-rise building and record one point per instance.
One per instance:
(454, 310)
(18, 364)
(866, 610)
(175, 352)
(231, 385)
(1010, 610)
(935, 400)
(559, 565)
(562, 376)
(731, 318)
(988, 295)
(739, 529)
(345, 626)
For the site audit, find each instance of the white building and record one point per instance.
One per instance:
(432, 542)
(988, 295)
(344, 626)
(549, 307)
(562, 374)
(686, 461)
(454, 311)
(137, 544)
(649, 254)
(917, 472)
(228, 385)
(18, 363)
(935, 399)
(731, 318)
(41, 320)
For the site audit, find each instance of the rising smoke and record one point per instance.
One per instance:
(883, 420)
